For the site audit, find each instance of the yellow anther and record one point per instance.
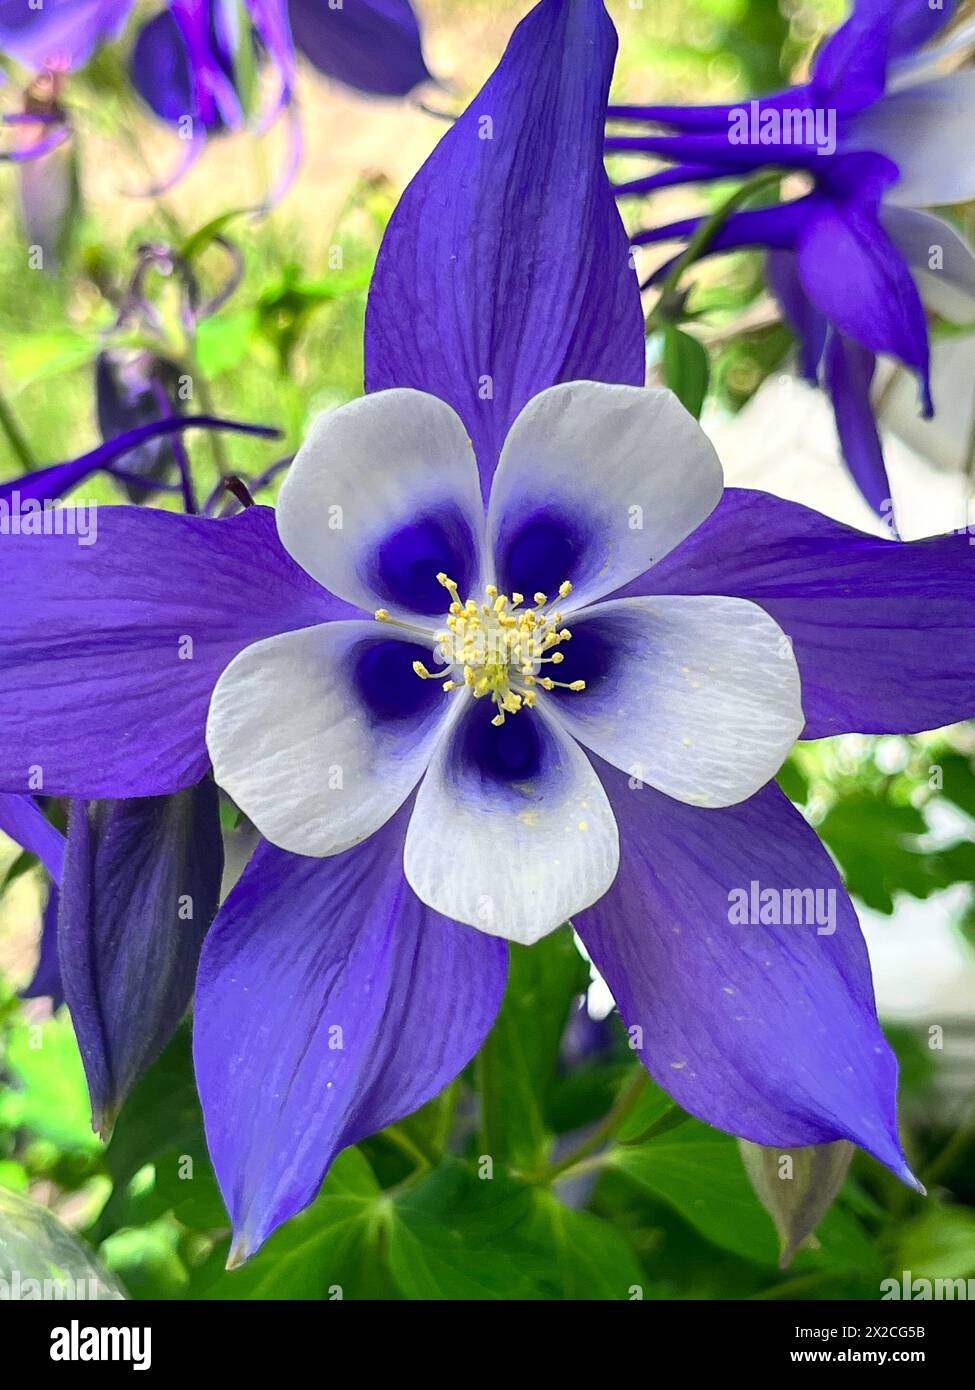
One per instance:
(382, 615)
(495, 649)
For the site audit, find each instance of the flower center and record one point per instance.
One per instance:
(498, 648)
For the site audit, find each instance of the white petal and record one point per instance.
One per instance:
(366, 473)
(922, 238)
(926, 129)
(514, 856)
(697, 697)
(925, 62)
(294, 740)
(618, 475)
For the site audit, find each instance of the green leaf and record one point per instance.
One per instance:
(686, 368)
(199, 240)
(940, 1244)
(648, 1112)
(590, 1258)
(223, 342)
(518, 1061)
(331, 1251)
(869, 837)
(50, 1095)
(457, 1236)
(697, 1171)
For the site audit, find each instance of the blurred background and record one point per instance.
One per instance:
(897, 813)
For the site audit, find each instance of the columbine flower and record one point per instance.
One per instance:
(853, 259)
(194, 63)
(489, 663)
(339, 990)
(59, 33)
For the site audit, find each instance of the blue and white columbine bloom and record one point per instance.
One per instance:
(856, 260)
(358, 963)
(491, 666)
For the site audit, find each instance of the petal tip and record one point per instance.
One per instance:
(240, 1253)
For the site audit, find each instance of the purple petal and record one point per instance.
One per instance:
(852, 271)
(141, 887)
(848, 375)
(46, 983)
(915, 24)
(806, 322)
(182, 65)
(112, 649)
(330, 1003)
(23, 820)
(505, 268)
(767, 1031)
(373, 45)
(882, 630)
(851, 67)
(60, 32)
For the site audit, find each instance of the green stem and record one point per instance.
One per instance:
(703, 236)
(485, 1072)
(445, 1116)
(15, 436)
(413, 1146)
(625, 1102)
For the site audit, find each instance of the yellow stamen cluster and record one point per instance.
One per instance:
(498, 648)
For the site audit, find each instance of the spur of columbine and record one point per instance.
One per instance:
(478, 696)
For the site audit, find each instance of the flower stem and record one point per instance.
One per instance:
(604, 1131)
(15, 436)
(414, 1146)
(699, 243)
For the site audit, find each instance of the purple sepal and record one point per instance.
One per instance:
(111, 650)
(330, 1003)
(505, 267)
(848, 371)
(59, 33)
(882, 629)
(372, 45)
(26, 824)
(756, 1017)
(46, 983)
(808, 324)
(141, 887)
